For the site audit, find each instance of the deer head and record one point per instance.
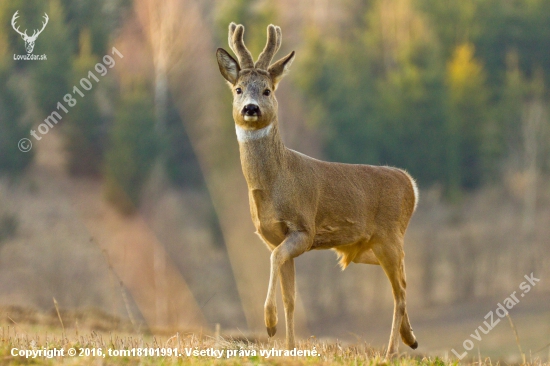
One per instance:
(29, 40)
(253, 84)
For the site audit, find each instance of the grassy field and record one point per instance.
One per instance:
(92, 337)
(228, 351)
(117, 348)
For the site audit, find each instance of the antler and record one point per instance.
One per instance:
(13, 19)
(35, 34)
(232, 27)
(274, 39)
(236, 44)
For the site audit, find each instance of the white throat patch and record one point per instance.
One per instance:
(249, 135)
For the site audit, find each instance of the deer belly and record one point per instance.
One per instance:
(330, 236)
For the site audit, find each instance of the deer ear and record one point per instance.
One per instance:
(229, 67)
(280, 68)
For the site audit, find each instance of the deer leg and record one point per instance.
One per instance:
(391, 256)
(407, 335)
(288, 289)
(406, 330)
(366, 257)
(294, 245)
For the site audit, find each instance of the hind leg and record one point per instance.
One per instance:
(366, 257)
(391, 257)
(406, 330)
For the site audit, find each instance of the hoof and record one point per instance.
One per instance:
(414, 345)
(271, 331)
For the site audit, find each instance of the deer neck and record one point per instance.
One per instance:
(262, 155)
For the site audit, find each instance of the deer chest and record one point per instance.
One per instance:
(270, 219)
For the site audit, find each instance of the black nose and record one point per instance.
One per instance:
(251, 110)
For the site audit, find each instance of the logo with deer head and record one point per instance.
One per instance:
(29, 40)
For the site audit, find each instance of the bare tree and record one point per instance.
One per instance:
(532, 124)
(181, 41)
(161, 22)
(163, 25)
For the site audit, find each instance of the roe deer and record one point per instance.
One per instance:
(299, 203)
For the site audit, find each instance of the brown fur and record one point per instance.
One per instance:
(298, 203)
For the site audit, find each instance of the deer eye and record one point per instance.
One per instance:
(267, 92)
(239, 91)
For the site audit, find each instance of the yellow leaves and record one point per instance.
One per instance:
(400, 23)
(85, 42)
(465, 75)
(395, 29)
(463, 66)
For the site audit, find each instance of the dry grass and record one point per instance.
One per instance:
(36, 337)
(333, 353)
(26, 329)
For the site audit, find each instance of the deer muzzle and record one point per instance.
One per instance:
(251, 112)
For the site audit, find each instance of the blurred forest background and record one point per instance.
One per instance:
(135, 204)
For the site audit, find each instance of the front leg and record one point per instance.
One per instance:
(287, 274)
(295, 244)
